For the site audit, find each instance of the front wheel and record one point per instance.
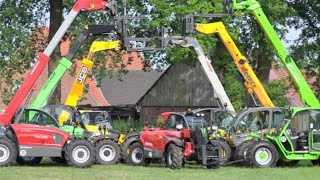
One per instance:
(8, 152)
(108, 152)
(31, 161)
(263, 154)
(174, 157)
(80, 153)
(136, 154)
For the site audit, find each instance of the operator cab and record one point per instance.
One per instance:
(37, 117)
(258, 120)
(96, 118)
(302, 133)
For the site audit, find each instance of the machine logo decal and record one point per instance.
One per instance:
(82, 75)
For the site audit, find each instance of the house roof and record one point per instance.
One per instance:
(278, 72)
(133, 86)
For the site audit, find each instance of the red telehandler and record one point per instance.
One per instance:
(32, 140)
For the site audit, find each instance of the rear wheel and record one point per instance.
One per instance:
(31, 161)
(8, 152)
(263, 154)
(136, 154)
(108, 152)
(80, 153)
(174, 157)
(241, 152)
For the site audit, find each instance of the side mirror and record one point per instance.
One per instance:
(179, 127)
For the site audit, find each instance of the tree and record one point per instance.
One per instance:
(306, 48)
(56, 9)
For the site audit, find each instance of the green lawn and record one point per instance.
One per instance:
(47, 170)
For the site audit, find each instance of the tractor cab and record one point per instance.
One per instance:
(301, 134)
(254, 120)
(35, 116)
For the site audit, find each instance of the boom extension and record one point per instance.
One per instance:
(253, 6)
(252, 82)
(65, 63)
(77, 89)
(43, 58)
(212, 76)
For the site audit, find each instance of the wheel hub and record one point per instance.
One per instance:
(263, 156)
(4, 153)
(107, 153)
(137, 155)
(81, 154)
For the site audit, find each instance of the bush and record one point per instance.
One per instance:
(124, 125)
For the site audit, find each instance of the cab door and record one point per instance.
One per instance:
(255, 120)
(314, 135)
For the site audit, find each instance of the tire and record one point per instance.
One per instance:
(107, 152)
(59, 160)
(285, 162)
(80, 153)
(125, 148)
(30, 161)
(241, 152)
(136, 154)
(174, 156)
(226, 151)
(8, 152)
(263, 154)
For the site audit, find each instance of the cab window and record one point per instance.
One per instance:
(37, 118)
(223, 119)
(174, 120)
(253, 121)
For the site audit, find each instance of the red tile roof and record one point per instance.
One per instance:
(280, 73)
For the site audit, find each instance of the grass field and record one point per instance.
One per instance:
(48, 170)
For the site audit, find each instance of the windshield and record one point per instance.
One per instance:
(96, 118)
(195, 122)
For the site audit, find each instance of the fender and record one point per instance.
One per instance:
(129, 135)
(177, 142)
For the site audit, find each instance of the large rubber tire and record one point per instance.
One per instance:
(263, 154)
(80, 153)
(107, 152)
(125, 148)
(225, 151)
(174, 156)
(30, 161)
(284, 162)
(241, 152)
(8, 152)
(136, 154)
(59, 160)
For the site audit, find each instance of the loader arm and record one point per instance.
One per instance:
(77, 89)
(252, 83)
(306, 94)
(65, 63)
(212, 76)
(43, 58)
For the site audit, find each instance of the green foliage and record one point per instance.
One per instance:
(277, 91)
(124, 125)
